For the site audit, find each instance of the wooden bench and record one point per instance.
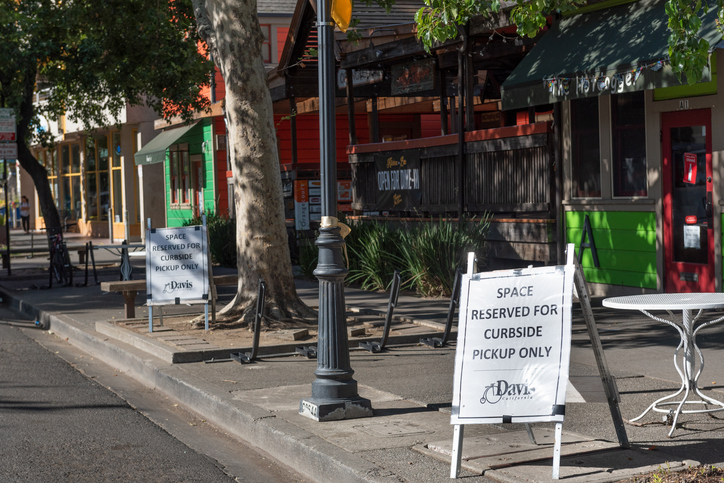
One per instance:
(130, 288)
(44, 250)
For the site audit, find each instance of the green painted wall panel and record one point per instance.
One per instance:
(620, 277)
(632, 261)
(637, 241)
(625, 243)
(613, 220)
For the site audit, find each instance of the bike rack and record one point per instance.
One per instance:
(258, 315)
(89, 260)
(126, 268)
(394, 294)
(50, 268)
(310, 352)
(436, 342)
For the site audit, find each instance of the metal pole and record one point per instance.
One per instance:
(127, 228)
(334, 392)
(7, 212)
(110, 225)
(350, 108)
(461, 129)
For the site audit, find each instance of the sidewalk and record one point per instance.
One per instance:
(409, 438)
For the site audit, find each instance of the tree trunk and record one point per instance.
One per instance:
(231, 29)
(28, 162)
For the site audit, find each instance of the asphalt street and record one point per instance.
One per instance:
(59, 423)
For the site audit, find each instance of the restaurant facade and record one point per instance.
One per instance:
(581, 135)
(641, 156)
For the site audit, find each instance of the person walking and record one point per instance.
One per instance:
(25, 213)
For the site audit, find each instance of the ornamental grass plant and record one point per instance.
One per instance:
(427, 253)
(432, 251)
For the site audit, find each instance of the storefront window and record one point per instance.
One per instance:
(65, 159)
(186, 177)
(266, 46)
(116, 178)
(75, 159)
(173, 168)
(585, 147)
(629, 144)
(96, 150)
(92, 196)
(180, 174)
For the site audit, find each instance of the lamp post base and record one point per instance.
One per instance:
(320, 410)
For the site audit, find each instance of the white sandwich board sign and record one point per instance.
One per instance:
(177, 269)
(513, 350)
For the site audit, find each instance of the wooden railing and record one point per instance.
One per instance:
(506, 169)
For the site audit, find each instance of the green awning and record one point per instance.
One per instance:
(618, 49)
(155, 150)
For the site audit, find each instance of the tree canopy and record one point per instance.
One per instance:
(688, 51)
(90, 58)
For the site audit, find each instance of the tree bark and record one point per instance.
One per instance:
(231, 30)
(29, 163)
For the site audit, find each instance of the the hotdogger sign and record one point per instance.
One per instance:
(514, 340)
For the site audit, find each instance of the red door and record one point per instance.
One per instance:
(688, 210)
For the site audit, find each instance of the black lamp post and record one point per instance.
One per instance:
(334, 392)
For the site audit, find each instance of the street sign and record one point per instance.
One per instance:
(9, 151)
(7, 125)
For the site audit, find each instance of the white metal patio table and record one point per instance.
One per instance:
(687, 303)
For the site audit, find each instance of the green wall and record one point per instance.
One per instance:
(195, 137)
(625, 243)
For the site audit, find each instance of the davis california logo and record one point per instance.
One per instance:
(505, 391)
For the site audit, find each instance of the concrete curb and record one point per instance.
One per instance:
(307, 453)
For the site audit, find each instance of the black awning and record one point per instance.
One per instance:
(619, 49)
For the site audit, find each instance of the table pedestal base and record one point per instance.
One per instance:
(673, 415)
(688, 379)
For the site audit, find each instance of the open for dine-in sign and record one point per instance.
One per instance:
(514, 339)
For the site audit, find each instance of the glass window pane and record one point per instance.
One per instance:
(173, 175)
(56, 192)
(186, 182)
(117, 149)
(103, 189)
(66, 207)
(102, 146)
(629, 145)
(75, 191)
(75, 159)
(117, 196)
(54, 162)
(90, 154)
(65, 159)
(91, 192)
(585, 148)
(688, 195)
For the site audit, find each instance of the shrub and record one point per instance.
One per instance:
(427, 253)
(374, 254)
(433, 251)
(222, 237)
(308, 253)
